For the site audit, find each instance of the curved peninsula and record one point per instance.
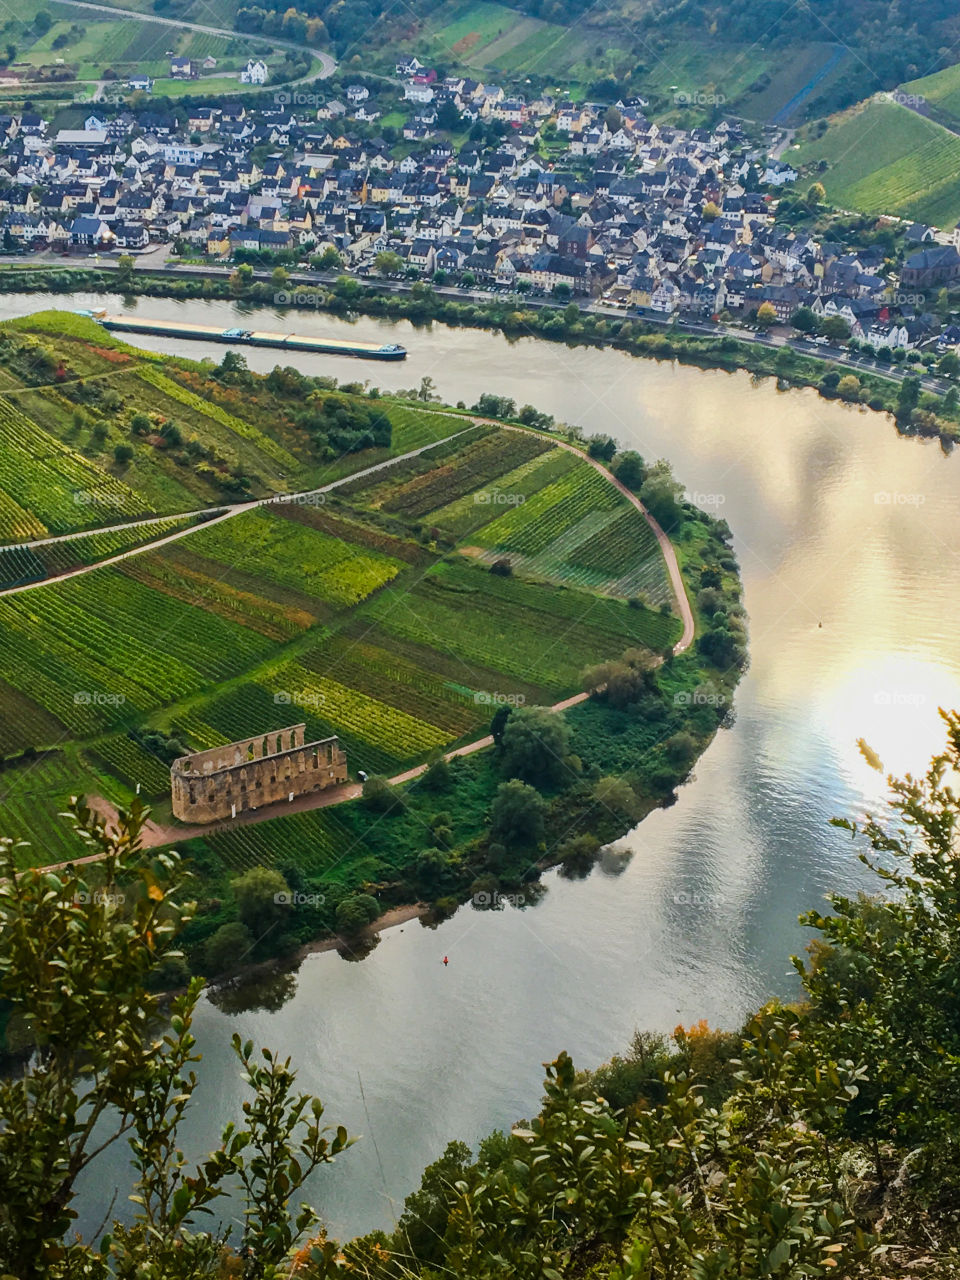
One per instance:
(520, 641)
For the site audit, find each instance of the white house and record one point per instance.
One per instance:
(778, 174)
(255, 72)
(414, 92)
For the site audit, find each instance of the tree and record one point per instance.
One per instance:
(280, 277)
(884, 973)
(562, 290)
(427, 389)
(125, 263)
(612, 119)
(388, 263)
(229, 947)
(630, 469)
(140, 424)
(623, 681)
(329, 260)
(766, 315)
(107, 1063)
(241, 278)
(42, 22)
(516, 815)
(534, 744)
(848, 388)
(836, 328)
(948, 365)
(616, 795)
(711, 211)
(816, 193)
(356, 912)
(662, 495)
(448, 117)
(907, 398)
(378, 795)
(804, 320)
(263, 900)
(491, 406)
(602, 447)
(122, 454)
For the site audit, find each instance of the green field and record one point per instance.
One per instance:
(884, 158)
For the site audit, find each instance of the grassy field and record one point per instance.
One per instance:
(883, 158)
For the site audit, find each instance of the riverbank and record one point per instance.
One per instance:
(929, 410)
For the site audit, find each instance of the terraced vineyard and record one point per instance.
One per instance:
(370, 612)
(47, 487)
(294, 555)
(50, 559)
(135, 765)
(885, 158)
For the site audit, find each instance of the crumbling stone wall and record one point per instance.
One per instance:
(224, 781)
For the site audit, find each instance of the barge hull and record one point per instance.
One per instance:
(257, 338)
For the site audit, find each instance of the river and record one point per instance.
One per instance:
(836, 520)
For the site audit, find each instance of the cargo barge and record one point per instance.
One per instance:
(251, 337)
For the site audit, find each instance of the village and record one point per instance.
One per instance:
(466, 184)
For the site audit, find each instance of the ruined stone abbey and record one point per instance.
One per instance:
(225, 781)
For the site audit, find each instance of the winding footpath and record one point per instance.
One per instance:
(155, 835)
